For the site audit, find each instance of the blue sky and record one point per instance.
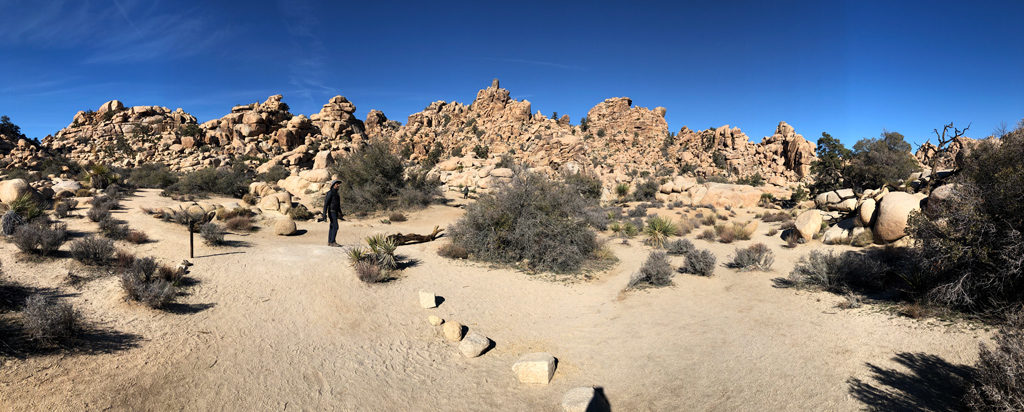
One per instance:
(852, 68)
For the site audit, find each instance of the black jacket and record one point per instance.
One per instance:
(332, 204)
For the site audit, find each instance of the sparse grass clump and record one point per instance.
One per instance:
(700, 262)
(92, 250)
(397, 217)
(150, 291)
(212, 234)
(239, 224)
(756, 257)
(369, 272)
(533, 221)
(40, 240)
(451, 251)
(656, 271)
(708, 235)
(137, 237)
(48, 320)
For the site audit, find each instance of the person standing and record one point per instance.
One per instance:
(332, 212)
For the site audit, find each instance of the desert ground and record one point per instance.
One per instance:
(283, 323)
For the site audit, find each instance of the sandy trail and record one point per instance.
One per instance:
(284, 324)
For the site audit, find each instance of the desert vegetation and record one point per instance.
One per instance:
(373, 178)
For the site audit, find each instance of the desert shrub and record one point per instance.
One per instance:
(708, 220)
(658, 230)
(92, 250)
(622, 189)
(685, 226)
(397, 217)
(858, 271)
(382, 251)
(150, 291)
(272, 175)
(879, 162)
(249, 199)
(646, 190)
(143, 267)
(114, 229)
(656, 271)
(728, 233)
(451, 251)
(172, 275)
(212, 234)
(776, 217)
(105, 202)
(755, 257)
(481, 151)
(752, 180)
(532, 220)
(864, 238)
(229, 181)
(300, 212)
(998, 383)
(373, 178)
(62, 209)
(239, 223)
(123, 259)
(588, 185)
(10, 222)
(38, 239)
(369, 272)
(799, 195)
(681, 247)
(971, 245)
(772, 232)
(700, 262)
(137, 237)
(49, 320)
(638, 211)
(152, 175)
(26, 207)
(708, 235)
(98, 214)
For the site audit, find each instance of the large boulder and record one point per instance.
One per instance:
(11, 190)
(808, 223)
(66, 188)
(943, 194)
(866, 212)
(893, 211)
(284, 227)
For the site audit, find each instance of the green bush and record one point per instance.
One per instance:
(373, 178)
(532, 221)
(971, 244)
(646, 190)
(233, 181)
(880, 162)
(481, 151)
(152, 175)
(272, 175)
(752, 180)
(621, 190)
(828, 169)
(26, 207)
(588, 185)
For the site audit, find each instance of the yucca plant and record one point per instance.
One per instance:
(658, 230)
(26, 207)
(356, 255)
(383, 250)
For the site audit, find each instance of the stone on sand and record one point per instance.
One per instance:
(537, 367)
(452, 331)
(434, 320)
(578, 399)
(428, 300)
(473, 345)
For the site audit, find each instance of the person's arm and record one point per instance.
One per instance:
(327, 202)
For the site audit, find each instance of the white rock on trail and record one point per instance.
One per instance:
(473, 345)
(535, 368)
(428, 300)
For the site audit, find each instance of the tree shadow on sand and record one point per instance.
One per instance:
(929, 383)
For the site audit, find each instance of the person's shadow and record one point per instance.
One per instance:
(929, 383)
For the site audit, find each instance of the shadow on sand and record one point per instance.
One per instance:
(929, 383)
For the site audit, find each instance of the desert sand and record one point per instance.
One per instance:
(282, 323)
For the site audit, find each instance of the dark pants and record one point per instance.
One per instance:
(332, 233)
